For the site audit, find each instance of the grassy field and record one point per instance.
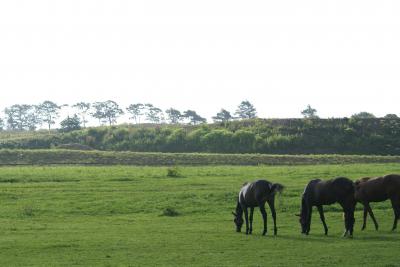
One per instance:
(114, 216)
(79, 157)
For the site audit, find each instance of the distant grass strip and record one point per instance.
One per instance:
(73, 157)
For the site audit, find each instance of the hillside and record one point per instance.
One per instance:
(265, 136)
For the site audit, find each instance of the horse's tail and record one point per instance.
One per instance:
(277, 188)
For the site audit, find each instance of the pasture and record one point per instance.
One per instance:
(138, 216)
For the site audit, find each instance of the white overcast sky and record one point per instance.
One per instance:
(340, 56)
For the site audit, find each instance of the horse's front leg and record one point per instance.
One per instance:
(271, 204)
(264, 215)
(322, 217)
(309, 215)
(372, 215)
(364, 218)
(246, 216)
(251, 220)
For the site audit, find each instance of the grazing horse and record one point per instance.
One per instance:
(376, 190)
(318, 193)
(253, 195)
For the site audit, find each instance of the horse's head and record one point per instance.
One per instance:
(303, 218)
(303, 222)
(238, 220)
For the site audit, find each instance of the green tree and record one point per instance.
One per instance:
(48, 112)
(193, 117)
(22, 117)
(107, 111)
(222, 116)
(83, 108)
(244, 141)
(176, 141)
(153, 114)
(136, 111)
(174, 115)
(1, 124)
(309, 113)
(246, 110)
(391, 116)
(218, 141)
(70, 124)
(363, 115)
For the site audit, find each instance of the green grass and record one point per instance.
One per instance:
(122, 216)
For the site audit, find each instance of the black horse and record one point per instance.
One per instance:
(253, 195)
(318, 193)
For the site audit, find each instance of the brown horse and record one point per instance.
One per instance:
(376, 190)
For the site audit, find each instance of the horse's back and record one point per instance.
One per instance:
(255, 192)
(343, 185)
(379, 188)
(327, 192)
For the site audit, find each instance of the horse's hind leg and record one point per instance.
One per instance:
(396, 209)
(251, 220)
(348, 218)
(321, 215)
(264, 215)
(351, 219)
(271, 204)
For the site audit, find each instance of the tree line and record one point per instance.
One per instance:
(30, 117)
(23, 117)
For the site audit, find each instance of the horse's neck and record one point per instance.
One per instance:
(304, 205)
(239, 210)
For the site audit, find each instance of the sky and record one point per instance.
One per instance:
(341, 57)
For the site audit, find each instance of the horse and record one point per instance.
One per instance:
(376, 190)
(318, 193)
(252, 195)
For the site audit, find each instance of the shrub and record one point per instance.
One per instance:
(27, 211)
(174, 172)
(170, 212)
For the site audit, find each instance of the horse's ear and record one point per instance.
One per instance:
(298, 215)
(234, 214)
